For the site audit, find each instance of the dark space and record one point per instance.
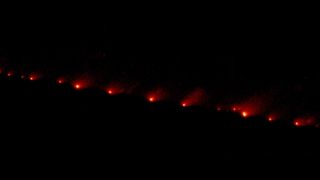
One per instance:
(232, 82)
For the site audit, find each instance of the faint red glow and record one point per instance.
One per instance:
(219, 108)
(60, 81)
(235, 109)
(184, 104)
(195, 98)
(270, 119)
(9, 74)
(31, 78)
(22, 77)
(157, 94)
(305, 121)
(114, 90)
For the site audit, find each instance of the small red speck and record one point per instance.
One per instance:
(184, 104)
(60, 81)
(31, 78)
(296, 123)
(9, 74)
(219, 109)
(270, 119)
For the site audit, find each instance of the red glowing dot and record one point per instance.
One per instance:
(110, 92)
(297, 123)
(31, 78)
(234, 109)
(60, 81)
(270, 119)
(219, 109)
(9, 74)
(77, 86)
(244, 114)
(151, 99)
(184, 104)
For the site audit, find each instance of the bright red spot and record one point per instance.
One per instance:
(297, 123)
(244, 114)
(31, 78)
(151, 99)
(110, 92)
(184, 104)
(77, 86)
(270, 119)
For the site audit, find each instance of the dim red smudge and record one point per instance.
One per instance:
(195, 98)
(9, 74)
(34, 76)
(272, 117)
(78, 85)
(60, 81)
(304, 121)
(116, 88)
(156, 95)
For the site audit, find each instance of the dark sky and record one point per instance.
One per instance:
(222, 51)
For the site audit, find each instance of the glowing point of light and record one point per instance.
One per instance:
(184, 104)
(270, 119)
(9, 74)
(110, 92)
(244, 114)
(151, 99)
(234, 109)
(22, 77)
(219, 109)
(77, 86)
(296, 123)
(31, 78)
